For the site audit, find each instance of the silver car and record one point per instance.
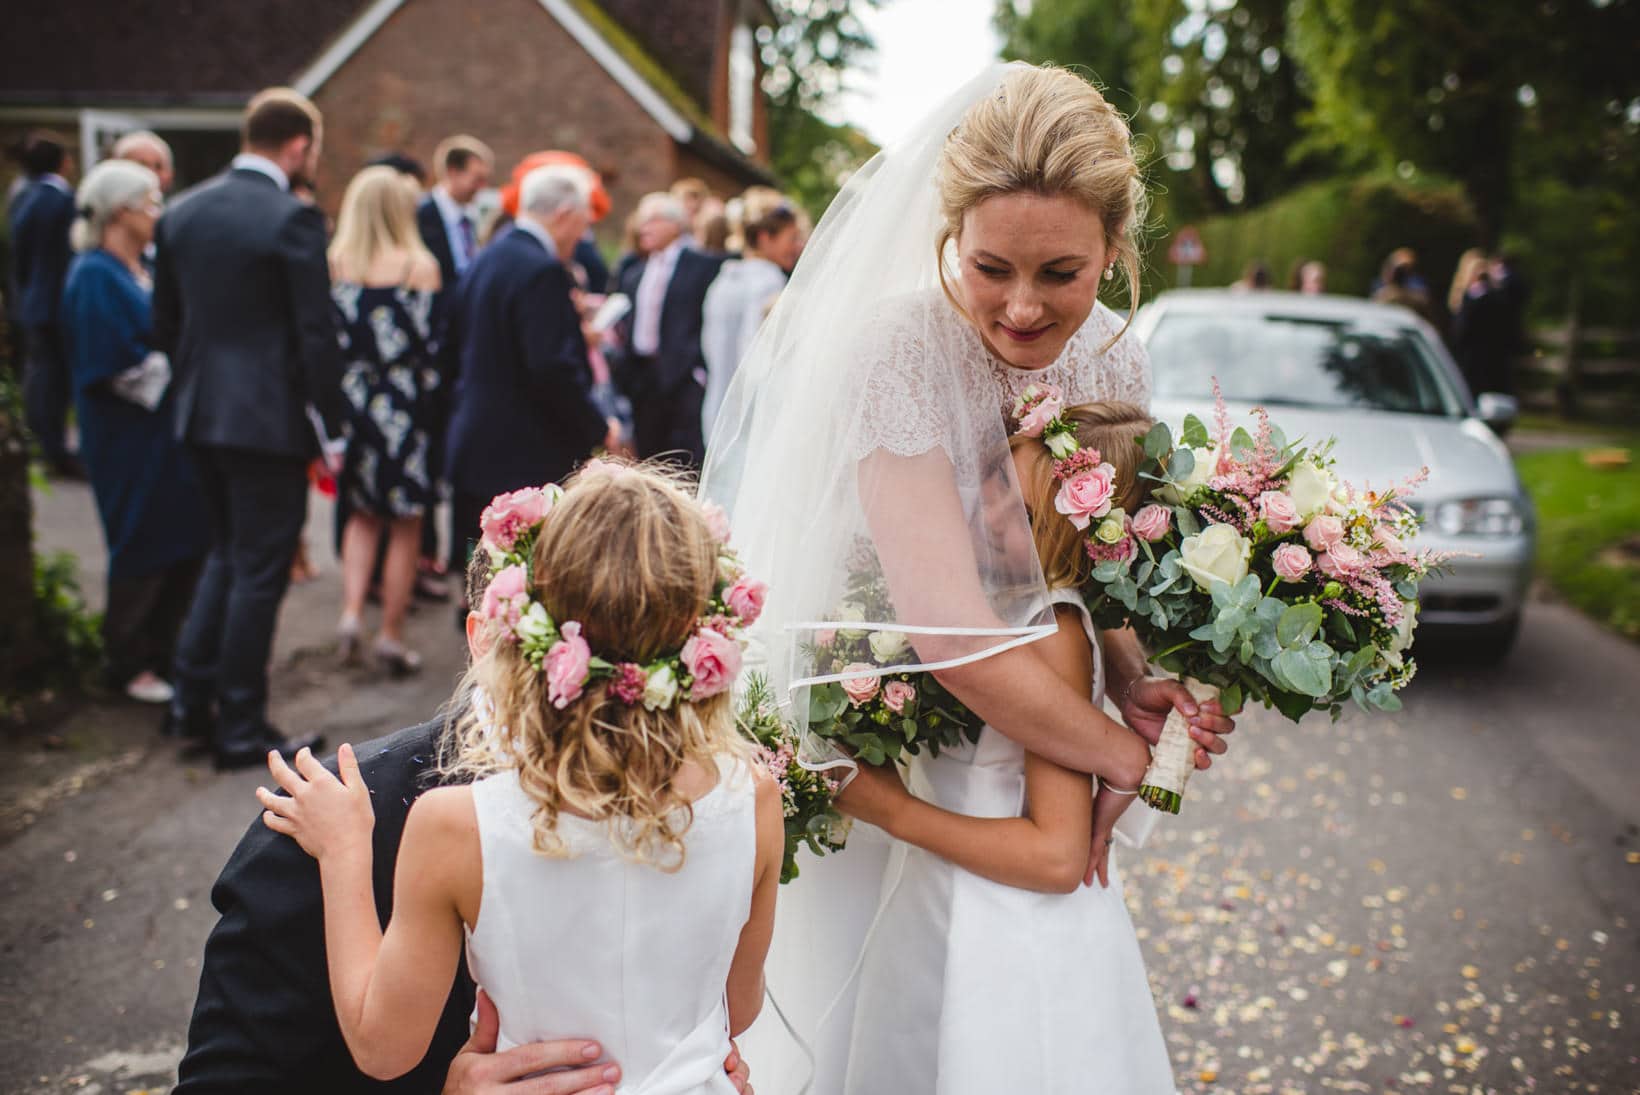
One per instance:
(1379, 379)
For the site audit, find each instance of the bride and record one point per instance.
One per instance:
(866, 432)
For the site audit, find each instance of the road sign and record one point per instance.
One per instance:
(1187, 249)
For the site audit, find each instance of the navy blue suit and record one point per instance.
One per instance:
(41, 215)
(437, 238)
(666, 390)
(522, 411)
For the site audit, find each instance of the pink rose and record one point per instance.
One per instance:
(1037, 418)
(713, 659)
(860, 689)
(1340, 562)
(1087, 495)
(1323, 532)
(505, 598)
(825, 637)
(717, 521)
(1389, 541)
(1278, 511)
(1152, 522)
(566, 666)
(510, 515)
(745, 598)
(896, 694)
(1290, 562)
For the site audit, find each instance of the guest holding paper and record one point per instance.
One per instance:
(148, 497)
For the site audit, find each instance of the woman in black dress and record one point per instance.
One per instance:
(384, 283)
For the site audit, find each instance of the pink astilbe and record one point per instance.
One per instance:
(1080, 460)
(1221, 423)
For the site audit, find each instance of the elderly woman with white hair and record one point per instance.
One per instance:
(148, 496)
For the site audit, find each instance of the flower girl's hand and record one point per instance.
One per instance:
(875, 795)
(1108, 806)
(325, 815)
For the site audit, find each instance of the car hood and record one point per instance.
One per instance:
(1380, 448)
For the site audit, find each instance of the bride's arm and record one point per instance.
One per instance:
(928, 561)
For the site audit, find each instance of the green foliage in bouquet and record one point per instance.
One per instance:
(805, 795)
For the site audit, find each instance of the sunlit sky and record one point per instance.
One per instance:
(926, 49)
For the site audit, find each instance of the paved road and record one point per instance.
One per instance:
(1444, 900)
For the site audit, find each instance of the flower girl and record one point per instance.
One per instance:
(986, 937)
(612, 866)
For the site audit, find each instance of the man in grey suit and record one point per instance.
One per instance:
(242, 305)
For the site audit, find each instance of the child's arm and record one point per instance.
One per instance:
(1046, 850)
(1108, 807)
(745, 988)
(389, 989)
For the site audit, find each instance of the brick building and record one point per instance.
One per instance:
(647, 90)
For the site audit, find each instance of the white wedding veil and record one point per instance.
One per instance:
(853, 439)
(857, 438)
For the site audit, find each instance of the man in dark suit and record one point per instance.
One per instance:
(523, 411)
(660, 365)
(41, 215)
(242, 305)
(448, 222)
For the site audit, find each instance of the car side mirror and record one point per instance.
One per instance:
(1497, 410)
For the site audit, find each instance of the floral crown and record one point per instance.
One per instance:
(1087, 482)
(707, 663)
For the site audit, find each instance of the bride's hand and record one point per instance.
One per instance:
(1146, 705)
(875, 795)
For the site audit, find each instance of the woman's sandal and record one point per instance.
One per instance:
(397, 659)
(348, 642)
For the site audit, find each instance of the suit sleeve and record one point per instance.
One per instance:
(555, 359)
(167, 302)
(302, 246)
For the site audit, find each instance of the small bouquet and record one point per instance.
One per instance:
(1256, 574)
(805, 795)
(878, 716)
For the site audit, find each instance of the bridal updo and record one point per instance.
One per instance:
(1046, 131)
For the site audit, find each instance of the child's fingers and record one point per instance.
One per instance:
(309, 766)
(348, 765)
(278, 824)
(282, 775)
(277, 804)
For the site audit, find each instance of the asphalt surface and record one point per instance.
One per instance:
(1442, 900)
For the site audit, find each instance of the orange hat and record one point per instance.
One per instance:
(509, 193)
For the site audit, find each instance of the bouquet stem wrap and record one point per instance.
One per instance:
(1175, 755)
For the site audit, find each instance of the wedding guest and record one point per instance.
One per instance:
(148, 498)
(522, 407)
(384, 283)
(743, 293)
(1254, 278)
(1308, 276)
(661, 367)
(586, 252)
(711, 227)
(151, 151)
(40, 215)
(1398, 289)
(263, 1020)
(242, 305)
(1482, 339)
(447, 217)
(693, 194)
(407, 166)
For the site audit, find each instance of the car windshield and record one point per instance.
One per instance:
(1297, 361)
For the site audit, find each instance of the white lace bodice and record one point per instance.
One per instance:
(921, 359)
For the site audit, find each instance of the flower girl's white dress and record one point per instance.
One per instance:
(596, 946)
(970, 987)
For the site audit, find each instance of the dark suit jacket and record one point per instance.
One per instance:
(431, 223)
(523, 412)
(242, 305)
(680, 354)
(590, 259)
(264, 1021)
(41, 216)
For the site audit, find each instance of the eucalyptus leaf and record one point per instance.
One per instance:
(1187, 522)
(1181, 464)
(1195, 433)
(1158, 441)
(1298, 623)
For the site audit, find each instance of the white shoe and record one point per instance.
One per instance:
(147, 688)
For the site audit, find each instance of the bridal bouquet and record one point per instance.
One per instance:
(1256, 574)
(805, 794)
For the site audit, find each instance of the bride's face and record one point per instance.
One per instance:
(1030, 269)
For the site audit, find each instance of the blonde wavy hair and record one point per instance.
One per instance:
(1046, 131)
(1117, 430)
(378, 214)
(628, 553)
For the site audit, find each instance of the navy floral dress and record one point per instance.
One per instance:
(391, 383)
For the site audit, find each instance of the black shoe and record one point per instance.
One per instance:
(69, 467)
(229, 760)
(191, 725)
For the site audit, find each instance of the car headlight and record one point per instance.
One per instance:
(1479, 517)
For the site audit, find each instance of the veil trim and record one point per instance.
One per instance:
(1034, 633)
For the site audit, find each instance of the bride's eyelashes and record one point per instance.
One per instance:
(998, 273)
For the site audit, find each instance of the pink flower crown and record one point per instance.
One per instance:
(707, 663)
(1087, 482)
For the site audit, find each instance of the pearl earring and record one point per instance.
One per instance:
(1110, 272)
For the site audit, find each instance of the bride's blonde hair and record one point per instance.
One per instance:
(629, 554)
(1046, 131)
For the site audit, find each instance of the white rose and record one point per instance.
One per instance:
(534, 623)
(1311, 489)
(660, 689)
(1061, 444)
(1111, 530)
(850, 613)
(1177, 494)
(1403, 634)
(886, 646)
(1217, 554)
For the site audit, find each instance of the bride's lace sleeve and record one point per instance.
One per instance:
(1125, 366)
(906, 378)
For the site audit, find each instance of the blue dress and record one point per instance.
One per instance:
(148, 495)
(391, 383)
